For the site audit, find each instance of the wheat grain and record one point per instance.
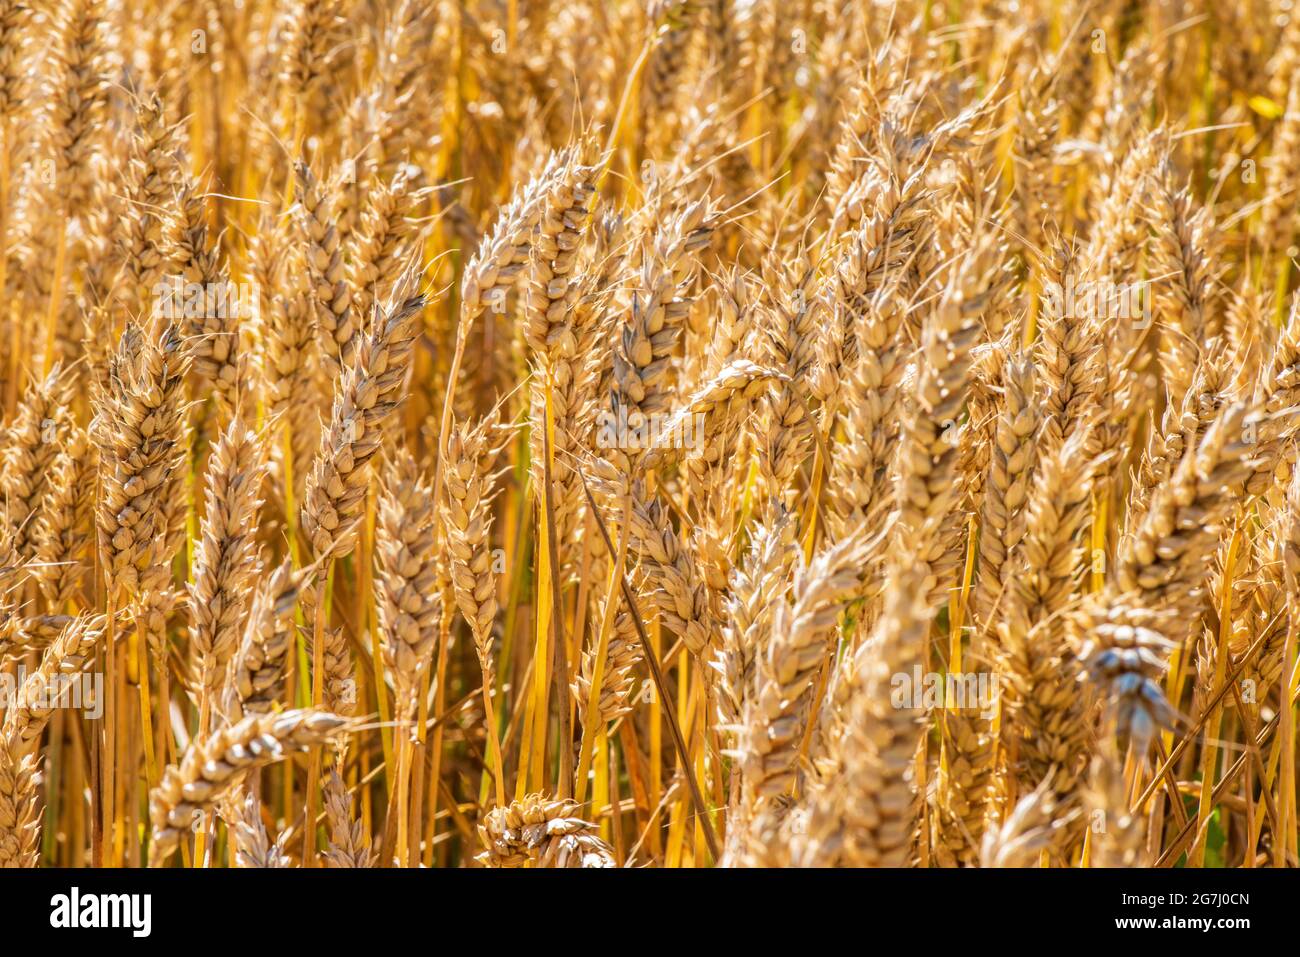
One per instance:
(216, 763)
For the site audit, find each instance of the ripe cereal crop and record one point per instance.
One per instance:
(683, 433)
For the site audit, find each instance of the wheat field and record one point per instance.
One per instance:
(743, 433)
